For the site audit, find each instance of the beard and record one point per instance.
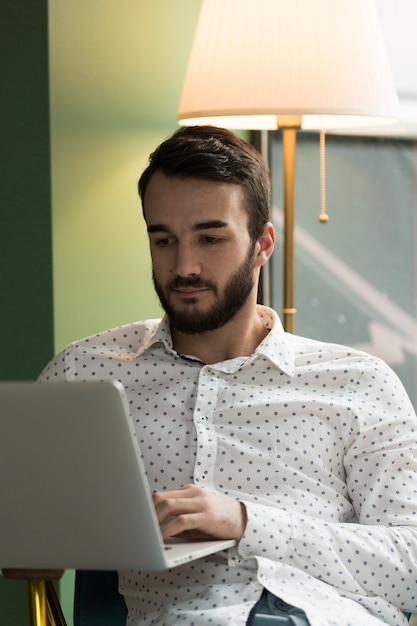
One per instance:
(226, 306)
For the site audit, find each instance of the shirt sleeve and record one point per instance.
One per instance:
(58, 369)
(376, 553)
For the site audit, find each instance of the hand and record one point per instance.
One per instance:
(199, 514)
(33, 574)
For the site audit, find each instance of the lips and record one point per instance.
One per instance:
(190, 291)
(191, 288)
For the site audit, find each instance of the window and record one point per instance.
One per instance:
(356, 276)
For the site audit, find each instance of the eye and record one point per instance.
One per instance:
(211, 239)
(163, 242)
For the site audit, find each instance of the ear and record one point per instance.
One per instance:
(265, 245)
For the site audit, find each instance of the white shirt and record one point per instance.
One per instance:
(318, 440)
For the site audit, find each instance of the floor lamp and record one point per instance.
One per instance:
(293, 65)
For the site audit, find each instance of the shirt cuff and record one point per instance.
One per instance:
(267, 534)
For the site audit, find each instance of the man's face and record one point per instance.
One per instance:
(202, 255)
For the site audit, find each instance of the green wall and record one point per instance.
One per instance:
(25, 216)
(26, 316)
(101, 263)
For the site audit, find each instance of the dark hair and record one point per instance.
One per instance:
(216, 154)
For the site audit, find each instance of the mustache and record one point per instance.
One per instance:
(194, 282)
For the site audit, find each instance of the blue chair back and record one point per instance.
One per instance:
(97, 601)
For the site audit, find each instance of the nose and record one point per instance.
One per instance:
(186, 261)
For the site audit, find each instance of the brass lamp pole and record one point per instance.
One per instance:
(288, 154)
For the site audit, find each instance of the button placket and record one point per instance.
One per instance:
(207, 394)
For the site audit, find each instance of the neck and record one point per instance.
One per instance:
(239, 337)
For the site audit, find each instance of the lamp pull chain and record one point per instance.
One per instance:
(323, 217)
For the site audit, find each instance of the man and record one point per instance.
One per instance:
(303, 452)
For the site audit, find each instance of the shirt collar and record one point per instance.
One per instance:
(276, 346)
(161, 335)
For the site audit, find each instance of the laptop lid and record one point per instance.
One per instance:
(73, 489)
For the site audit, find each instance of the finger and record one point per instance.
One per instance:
(187, 525)
(175, 506)
(168, 503)
(186, 491)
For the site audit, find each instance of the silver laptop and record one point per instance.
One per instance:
(73, 490)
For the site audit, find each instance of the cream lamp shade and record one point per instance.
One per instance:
(290, 64)
(312, 64)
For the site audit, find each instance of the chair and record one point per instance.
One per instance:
(97, 601)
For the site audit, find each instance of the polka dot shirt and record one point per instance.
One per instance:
(319, 441)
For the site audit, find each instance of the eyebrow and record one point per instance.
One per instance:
(161, 228)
